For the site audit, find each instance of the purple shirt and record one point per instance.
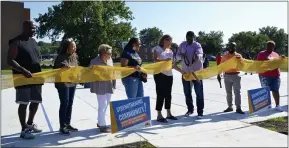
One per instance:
(193, 51)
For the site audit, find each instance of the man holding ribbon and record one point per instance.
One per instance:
(232, 80)
(191, 54)
(24, 58)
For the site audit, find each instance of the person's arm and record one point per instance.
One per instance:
(259, 57)
(124, 61)
(199, 53)
(156, 56)
(60, 62)
(12, 54)
(175, 63)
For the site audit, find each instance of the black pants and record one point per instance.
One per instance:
(66, 96)
(164, 91)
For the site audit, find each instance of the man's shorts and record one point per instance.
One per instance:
(28, 94)
(272, 82)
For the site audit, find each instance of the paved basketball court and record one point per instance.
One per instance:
(215, 129)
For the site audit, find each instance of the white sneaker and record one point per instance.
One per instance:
(278, 108)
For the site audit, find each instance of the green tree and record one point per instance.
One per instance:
(249, 41)
(150, 36)
(211, 42)
(277, 35)
(89, 23)
(47, 48)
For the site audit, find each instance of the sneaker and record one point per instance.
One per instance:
(33, 128)
(188, 114)
(71, 129)
(64, 131)
(239, 111)
(26, 134)
(229, 109)
(278, 108)
(200, 117)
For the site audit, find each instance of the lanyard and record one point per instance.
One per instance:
(186, 60)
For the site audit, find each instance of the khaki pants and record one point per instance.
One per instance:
(233, 82)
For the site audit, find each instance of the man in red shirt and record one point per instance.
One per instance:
(270, 78)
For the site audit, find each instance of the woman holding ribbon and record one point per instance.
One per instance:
(130, 58)
(66, 58)
(103, 89)
(164, 80)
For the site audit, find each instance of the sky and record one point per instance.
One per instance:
(176, 18)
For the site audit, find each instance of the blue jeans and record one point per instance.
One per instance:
(272, 82)
(66, 96)
(187, 85)
(133, 87)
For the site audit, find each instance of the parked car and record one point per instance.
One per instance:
(211, 58)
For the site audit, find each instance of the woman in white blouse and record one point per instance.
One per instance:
(164, 80)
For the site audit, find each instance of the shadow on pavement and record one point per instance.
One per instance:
(193, 120)
(50, 138)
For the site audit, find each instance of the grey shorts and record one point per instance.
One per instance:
(29, 94)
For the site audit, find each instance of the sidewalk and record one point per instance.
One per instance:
(215, 129)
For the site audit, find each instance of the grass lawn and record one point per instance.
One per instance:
(279, 125)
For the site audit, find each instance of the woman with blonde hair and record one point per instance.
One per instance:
(164, 80)
(66, 58)
(103, 89)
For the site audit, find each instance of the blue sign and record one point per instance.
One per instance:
(130, 114)
(259, 99)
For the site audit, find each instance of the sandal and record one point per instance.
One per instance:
(172, 118)
(163, 120)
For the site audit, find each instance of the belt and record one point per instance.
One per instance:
(232, 73)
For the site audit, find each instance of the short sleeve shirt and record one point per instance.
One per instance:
(133, 60)
(164, 54)
(190, 51)
(264, 56)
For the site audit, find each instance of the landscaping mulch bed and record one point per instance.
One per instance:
(279, 125)
(142, 144)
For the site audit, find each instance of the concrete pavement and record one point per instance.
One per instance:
(215, 129)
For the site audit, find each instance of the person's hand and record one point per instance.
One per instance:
(66, 66)
(168, 59)
(183, 72)
(238, 56)
(27, 73)
(137, 68)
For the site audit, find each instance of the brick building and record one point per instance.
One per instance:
(13, 14)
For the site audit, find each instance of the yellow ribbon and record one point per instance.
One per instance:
(103, 73)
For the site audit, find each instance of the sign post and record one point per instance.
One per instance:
(129, 114)
(259, 100)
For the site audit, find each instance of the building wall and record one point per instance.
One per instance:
(12, 16)
(146, 54)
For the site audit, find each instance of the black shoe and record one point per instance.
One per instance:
(64, 131)
(229, 109)
(245, 73)
(71, 129)
(239, 111)
(163, 120)
(172, 118)
(188, 114)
